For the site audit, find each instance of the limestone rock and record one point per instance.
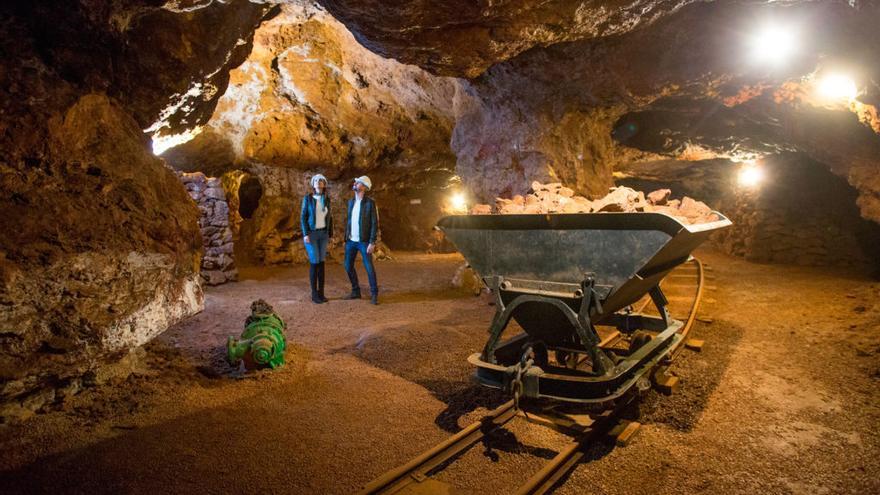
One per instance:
(579, 111)
(659, 197)
(555, 198)
(105, 262)
(310, 98)
(466, 278)
(463, 38)
(481, 210)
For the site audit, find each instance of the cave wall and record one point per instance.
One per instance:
(801, 214)
(463, 38)
(101, 247)
(100, 250)
(573, 102)
(309, 99)
(565, 112)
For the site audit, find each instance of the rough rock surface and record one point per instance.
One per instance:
(310, 99)
(100, 247)
(166, 65)
(802, 215)
(681, 87)
(309, 96)
(218, 263)
(556, 198)
(464, 37)
(99, 253)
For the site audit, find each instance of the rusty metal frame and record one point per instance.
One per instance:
(608, 380)
(549, 293)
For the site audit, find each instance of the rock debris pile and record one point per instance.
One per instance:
(556, 198)
(218, 264)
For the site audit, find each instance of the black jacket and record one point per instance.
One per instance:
(307, 215)
(369, 221)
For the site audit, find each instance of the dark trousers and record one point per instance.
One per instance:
(351, 250)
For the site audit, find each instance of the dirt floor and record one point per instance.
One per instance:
(783, 398)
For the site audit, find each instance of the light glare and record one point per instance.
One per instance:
(774, 44)
(750, 175)
(163, 143)
(459, 202)
(838, 87)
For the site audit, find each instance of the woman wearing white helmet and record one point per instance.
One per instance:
(317, 227)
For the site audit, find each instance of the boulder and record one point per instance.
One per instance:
(659, 197)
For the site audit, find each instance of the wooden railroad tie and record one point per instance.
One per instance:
(624, 432)
(695, 345)
(664, 382)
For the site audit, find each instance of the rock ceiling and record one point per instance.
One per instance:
(559, 90)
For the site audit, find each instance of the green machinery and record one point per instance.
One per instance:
(262, 343)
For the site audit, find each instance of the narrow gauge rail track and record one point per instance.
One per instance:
(414, 477)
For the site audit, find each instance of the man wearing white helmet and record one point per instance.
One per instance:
(317, 227)
(361, 233)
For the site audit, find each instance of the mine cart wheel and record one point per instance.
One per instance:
(639, 339)
(567, 359)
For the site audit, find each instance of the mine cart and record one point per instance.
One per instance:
(560, 276)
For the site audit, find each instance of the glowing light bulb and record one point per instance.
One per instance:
(838, 87)
(459, 202)
(774, 44)
(750, 175)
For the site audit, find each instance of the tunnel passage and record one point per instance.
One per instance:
(800, 213)
(670, 124)
(410, 207)
(115, 71)
(249, 194)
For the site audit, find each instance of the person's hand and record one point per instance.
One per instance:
(371, 248)
(306, 239)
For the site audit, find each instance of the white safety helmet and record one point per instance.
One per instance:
(365, 181)
(316, 178)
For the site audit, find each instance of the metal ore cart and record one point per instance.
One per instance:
(559, 276)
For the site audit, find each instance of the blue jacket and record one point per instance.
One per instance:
(307, 215)
(369, 221)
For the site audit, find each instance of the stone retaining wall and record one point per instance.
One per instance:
(801, 215)
(218, 264)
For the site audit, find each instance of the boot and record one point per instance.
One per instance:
(355, 294)
(313, 282)
(374, 299)
(321, 283)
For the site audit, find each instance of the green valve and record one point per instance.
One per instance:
(262, 343)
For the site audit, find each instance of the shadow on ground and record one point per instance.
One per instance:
(699, 372)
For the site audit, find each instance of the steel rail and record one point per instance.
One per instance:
(419, 467)
(552, 472)
(541, 482)
(695, 306)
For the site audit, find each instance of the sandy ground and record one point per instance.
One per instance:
(782, 399)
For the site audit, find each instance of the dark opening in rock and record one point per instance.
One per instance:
(249, 196)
